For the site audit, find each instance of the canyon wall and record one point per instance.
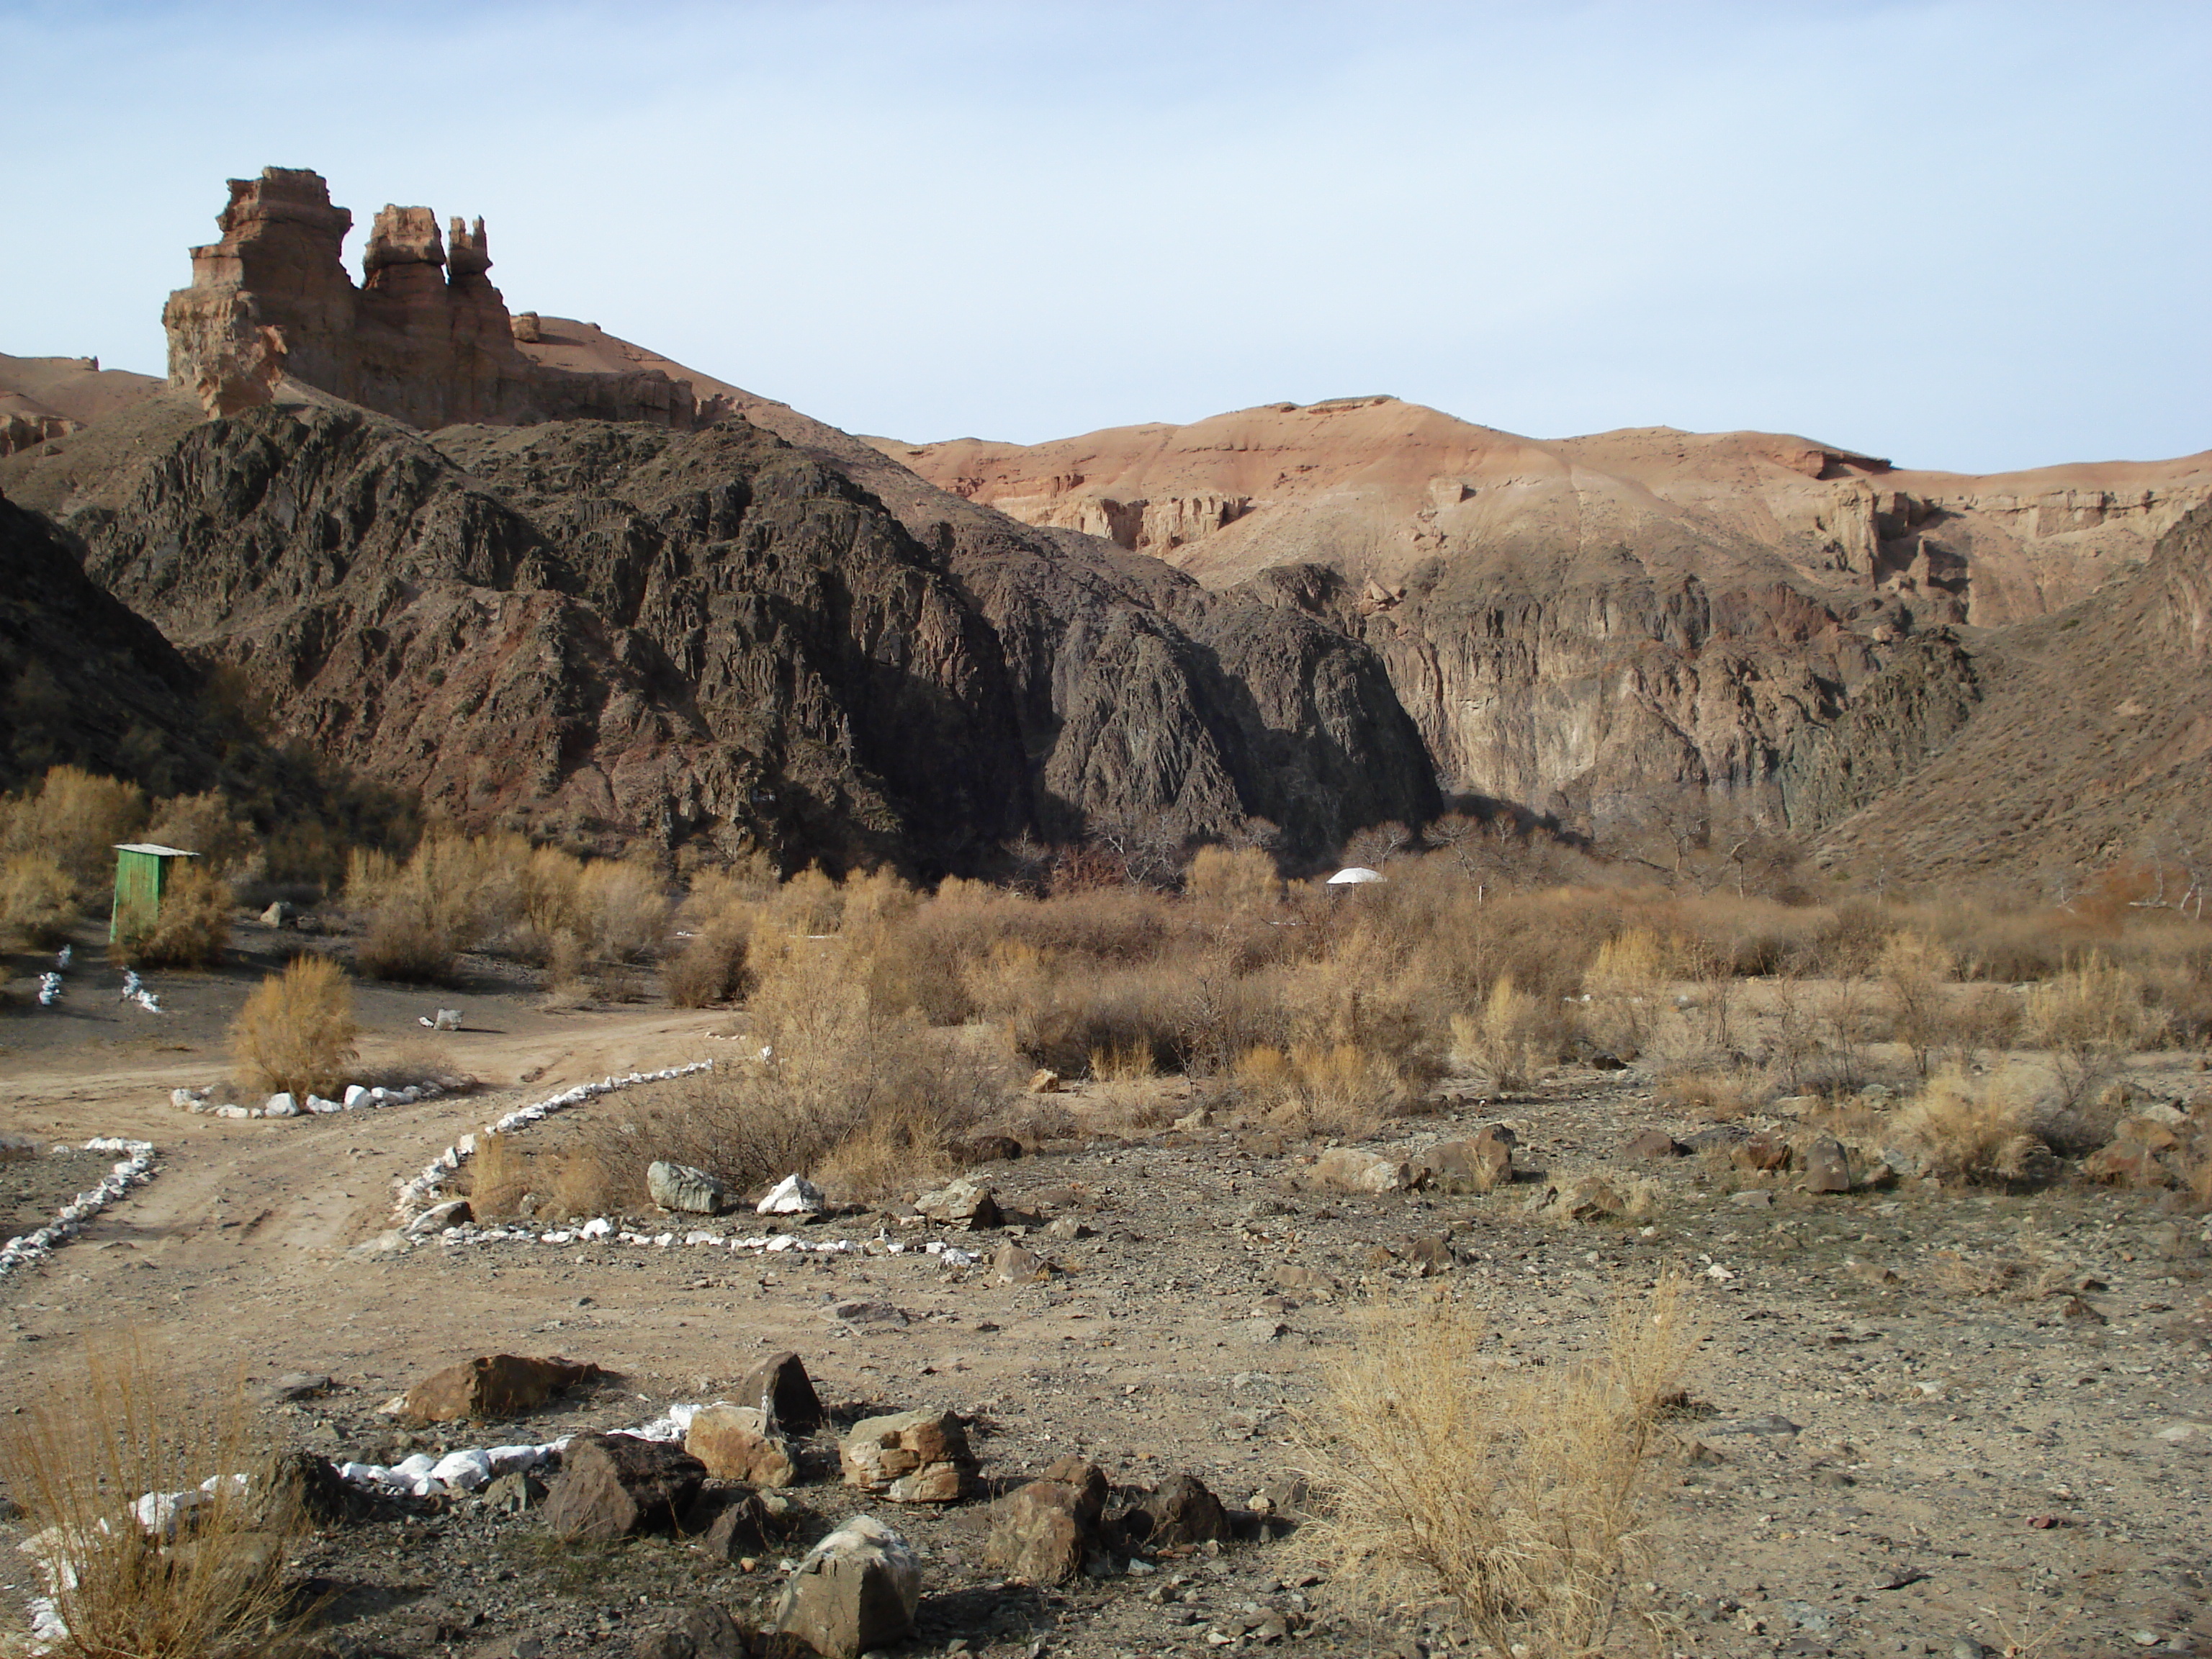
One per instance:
(425, 337)
(1600, 629)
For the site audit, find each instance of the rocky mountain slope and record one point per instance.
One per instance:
(1611, 628)
(2092, 744)
(84, 682)
(705, 621)
(716, 639)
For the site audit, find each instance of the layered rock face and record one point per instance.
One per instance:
(1747, 624)
(616, 633)
(426, 337)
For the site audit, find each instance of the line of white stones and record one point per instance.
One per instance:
(418, 1195)
(134, 1170)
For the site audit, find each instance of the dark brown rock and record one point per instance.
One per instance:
(612, 1485)
(781, 1380)
(1045, 1531)
(1181, 1511)
(1653, 1143)
(1473, 1165)
(703, 1631)
(495, 1386)
(1764, 1154)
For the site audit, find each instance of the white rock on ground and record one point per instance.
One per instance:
(793, 1195)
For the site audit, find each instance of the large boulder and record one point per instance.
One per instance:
(611, 1485)
(910, 1457)
(492, 1386)
(681, 1188)
(1045, 1531)
(856, 1590)
(736, 1443)
(1827, 1166)
(1475, 1165)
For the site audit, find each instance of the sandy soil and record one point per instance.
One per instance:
(1924, 1417)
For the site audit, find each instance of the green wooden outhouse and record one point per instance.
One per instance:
(141, 877)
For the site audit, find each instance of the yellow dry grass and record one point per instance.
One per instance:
(1526, 1498)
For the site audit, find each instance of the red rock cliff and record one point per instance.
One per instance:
(426, 337)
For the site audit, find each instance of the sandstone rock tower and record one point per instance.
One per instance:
(426, 337)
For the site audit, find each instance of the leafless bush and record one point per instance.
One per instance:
(1339, 1090)
(76, 818)
(1974, 1129)
(38, 899)
(295, 1032)
(2091, 1018)
(862, 1098)
(205, 824)
(191, 928)
(206, 1579)
(1915, 970)
(1510, 1040)
(1525, 1499)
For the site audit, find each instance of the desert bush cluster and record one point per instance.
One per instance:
(1525, 1499)
(195, 1568)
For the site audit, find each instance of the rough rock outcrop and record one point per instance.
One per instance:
(425, 337)
(617, 634)
(1642, 627)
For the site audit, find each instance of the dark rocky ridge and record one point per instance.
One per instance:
(712, 638)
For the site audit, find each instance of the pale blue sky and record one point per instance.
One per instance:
(1968, 235)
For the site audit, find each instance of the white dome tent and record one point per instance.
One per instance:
(1357, 875)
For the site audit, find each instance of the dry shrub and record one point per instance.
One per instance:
(576, 1181)
(1338, 1089)
(295, 1032)
(860, 1096)
(204, 824)
(1524, 1498)
(454, 893)
(210, 1584)
(1971, 1128)
(76, 818)
(192, 928)
(1915, 969)
(1507, 1041)
(1626, 983)
(2091, 1018)
(1123, 1062)
(709, 966)
(1243, 878)
(38, 899)
(1722, 1095)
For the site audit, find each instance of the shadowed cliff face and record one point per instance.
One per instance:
(715, 639)
(85, 683)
